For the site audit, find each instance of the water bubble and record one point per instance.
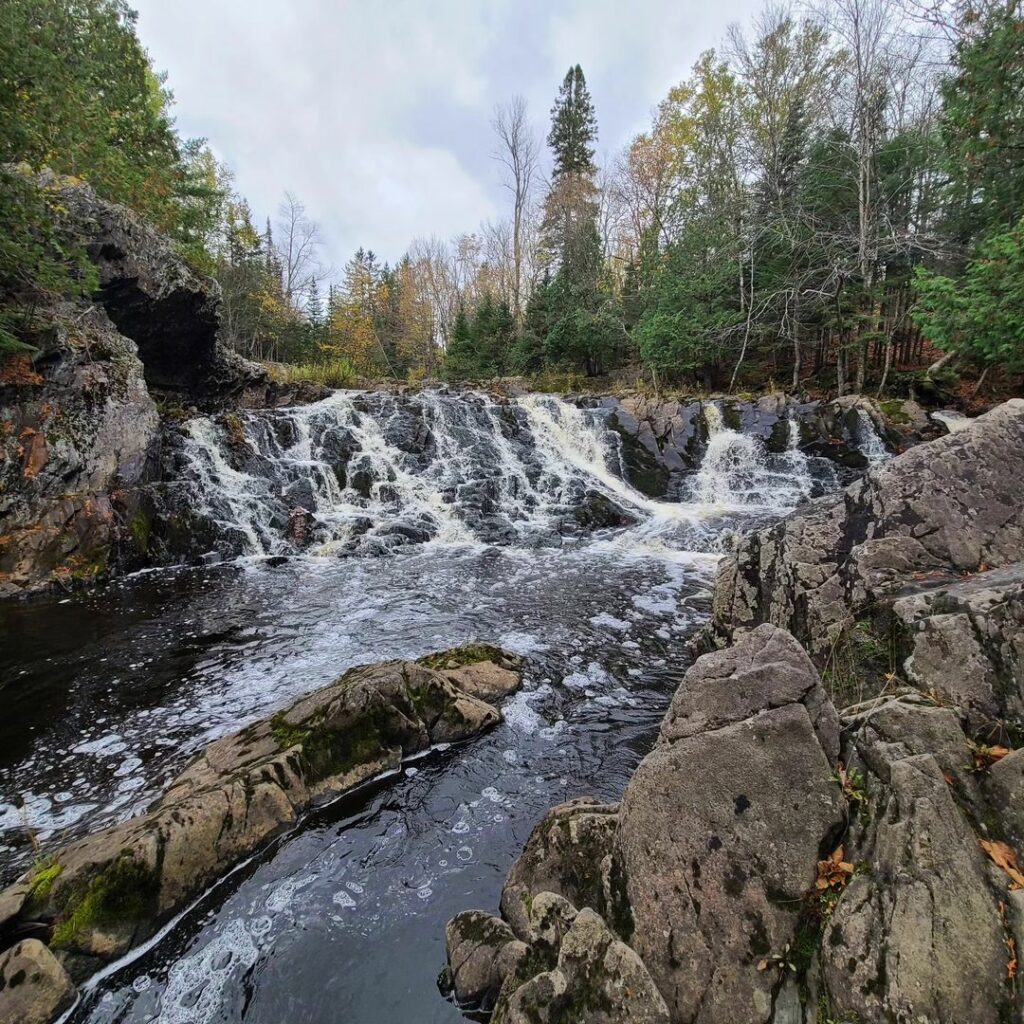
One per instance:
(461, 827)
(424, 892)
(354, 887)
(464, 853)
(260, 926)
(142, 983)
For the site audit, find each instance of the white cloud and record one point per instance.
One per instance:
(377, 114)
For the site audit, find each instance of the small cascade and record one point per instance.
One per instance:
(737, 474)
(567, 438)
(868, 440)
(732, 467)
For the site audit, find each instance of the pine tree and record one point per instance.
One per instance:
(314, 307)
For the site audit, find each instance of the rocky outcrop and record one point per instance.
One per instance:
(79, 437)
(911, 529)
(769, 862)
(154, 297)
(97, 898)
(576, 969)
(568, 854)
(722, 827)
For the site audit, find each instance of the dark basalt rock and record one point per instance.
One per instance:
(154, 298)
(79, 436)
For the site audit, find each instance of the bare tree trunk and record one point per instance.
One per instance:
(796, 341)
(886, 367)
(518, 154)
(938, 364)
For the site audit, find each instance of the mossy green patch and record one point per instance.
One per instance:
(41, 882)
(140, 527)
(471, 654)
(327, 750)
(894, 411)
(125, 892)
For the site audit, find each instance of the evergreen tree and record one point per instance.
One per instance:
(573, 127)
(459, 357)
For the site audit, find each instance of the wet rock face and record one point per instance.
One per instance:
(662, 442)
(34, 988)
(79, 436)
(153, 297)
(106, 893)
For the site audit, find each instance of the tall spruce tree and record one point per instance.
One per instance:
(573, 126)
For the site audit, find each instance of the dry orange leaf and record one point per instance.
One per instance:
(1003, 856)
(833, 872)
(986, 756)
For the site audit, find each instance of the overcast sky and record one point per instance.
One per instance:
(376, 114)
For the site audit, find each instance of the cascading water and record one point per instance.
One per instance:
(377, 473)
(737, 474)
(869, 441)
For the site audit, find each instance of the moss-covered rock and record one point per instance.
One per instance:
(109, 891)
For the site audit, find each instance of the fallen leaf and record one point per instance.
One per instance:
(833, 872)
(1003, 856)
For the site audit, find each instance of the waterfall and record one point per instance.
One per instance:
(868, 440)
(368, 472)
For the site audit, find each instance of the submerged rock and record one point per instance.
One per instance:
(106, 893)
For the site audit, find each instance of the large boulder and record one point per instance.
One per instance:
(721, 830)
(108, 892)
(919, 935)
(940, 510)
(565, 854)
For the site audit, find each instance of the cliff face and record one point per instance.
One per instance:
(779, 861)
(79, 428)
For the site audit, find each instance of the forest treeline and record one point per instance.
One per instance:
(834, 195)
